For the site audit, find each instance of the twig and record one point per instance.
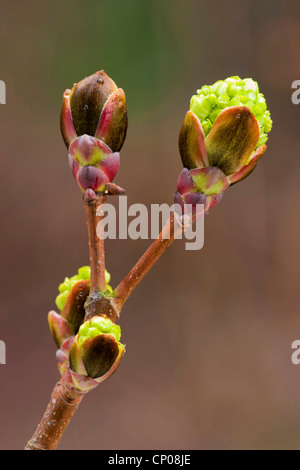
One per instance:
(96, 244)
(63, 403)
(65, 399)
(170, 231)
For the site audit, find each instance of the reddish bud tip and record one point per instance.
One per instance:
(89, 195)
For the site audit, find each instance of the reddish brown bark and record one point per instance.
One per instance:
(63, 403)
(96, 244)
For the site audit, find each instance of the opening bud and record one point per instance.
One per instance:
(96, 351)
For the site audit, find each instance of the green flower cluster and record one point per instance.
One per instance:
(65, 287)
(97, 326)
(211, 100)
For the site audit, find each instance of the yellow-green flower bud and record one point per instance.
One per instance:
(84, 273)
(211, 100)
(97, 350)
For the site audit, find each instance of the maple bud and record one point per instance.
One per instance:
(94, 125)
(222, 138)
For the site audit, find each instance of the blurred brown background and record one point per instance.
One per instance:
(208, 333)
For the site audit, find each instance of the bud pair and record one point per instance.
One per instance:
(88, 351)
(94, 125)
(73, 293)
